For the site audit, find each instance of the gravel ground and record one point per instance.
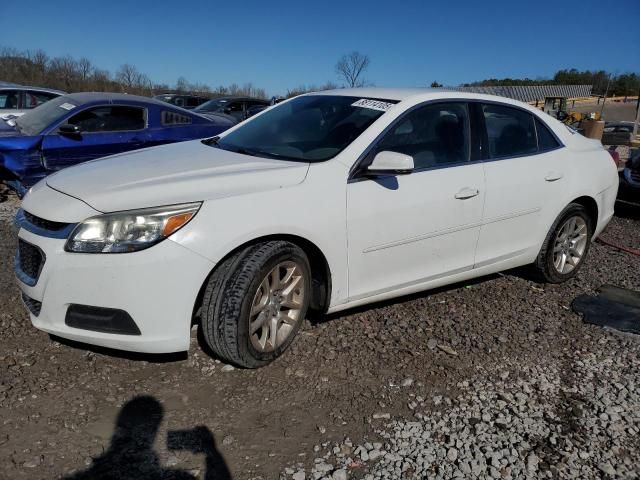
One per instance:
(493, 378)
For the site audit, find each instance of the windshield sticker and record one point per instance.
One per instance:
(373, 104)
(68, 106)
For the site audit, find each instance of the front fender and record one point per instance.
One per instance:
(223, 225)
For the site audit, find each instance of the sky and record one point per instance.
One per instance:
(284, 44)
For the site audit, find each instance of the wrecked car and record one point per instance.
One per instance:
(79, 127)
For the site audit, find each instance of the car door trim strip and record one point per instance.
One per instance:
(439, 233)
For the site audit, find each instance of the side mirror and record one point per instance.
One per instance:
(227, 110)
(391, 163)
(67, 129)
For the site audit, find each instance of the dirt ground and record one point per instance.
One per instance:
(613, 111)
(185, 416)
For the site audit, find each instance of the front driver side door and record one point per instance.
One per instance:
(409, 229)
(104, 130)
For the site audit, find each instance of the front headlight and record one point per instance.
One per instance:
(129, 231)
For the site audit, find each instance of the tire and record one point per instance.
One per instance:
(546, 267)
(237, 288)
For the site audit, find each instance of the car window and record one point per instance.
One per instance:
(310, 128)
(433, 135)
(193, 101)
(33, 98)
(109, 119)
(173, 118)
(510, 131)
(546, 140)
(235, 107)
(212, 106)
(9, 99)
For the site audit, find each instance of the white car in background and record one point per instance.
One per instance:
(327, 201)
(15, 100)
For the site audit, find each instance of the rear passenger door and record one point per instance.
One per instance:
(524, 175)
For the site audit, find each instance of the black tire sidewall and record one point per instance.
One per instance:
(289, 252)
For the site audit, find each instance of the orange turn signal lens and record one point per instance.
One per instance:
(175, 222)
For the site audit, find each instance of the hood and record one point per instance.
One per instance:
(171, 174)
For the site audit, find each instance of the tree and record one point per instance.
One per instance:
(435, 85)
(351, 67)
(133, 81)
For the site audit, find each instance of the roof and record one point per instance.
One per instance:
(13, 86)
(239, 97)
(419, 94)
(381, 93)
(86, 97)
(184, 95)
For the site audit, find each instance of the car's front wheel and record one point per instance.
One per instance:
(255, 302)
(566, 245)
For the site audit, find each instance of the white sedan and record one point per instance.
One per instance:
(325, 202)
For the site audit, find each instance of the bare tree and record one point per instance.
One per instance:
(133, 81)
(182, 85)
(84, 68)
(351, 67)
(65, 71)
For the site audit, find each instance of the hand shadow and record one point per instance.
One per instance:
(131, 456)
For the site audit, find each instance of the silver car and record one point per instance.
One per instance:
(18, 99)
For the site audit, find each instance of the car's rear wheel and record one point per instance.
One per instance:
(566, 245)
(255, 302)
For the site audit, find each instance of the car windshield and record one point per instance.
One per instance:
(309, 128)
(35, 121)
(212, 106)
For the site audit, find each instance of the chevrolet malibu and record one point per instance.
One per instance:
(325, 202)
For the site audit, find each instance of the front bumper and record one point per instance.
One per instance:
(157, 287)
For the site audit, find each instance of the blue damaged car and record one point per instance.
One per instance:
(79, 127)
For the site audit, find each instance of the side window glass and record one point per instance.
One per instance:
(168, 118)
(510, 131)
(546, 140)
(9, 99)
(109, 119)
(434, 135)
(235, 107)
(33, 99)
(193, 102)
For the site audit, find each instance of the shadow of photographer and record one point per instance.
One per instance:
(131, 455)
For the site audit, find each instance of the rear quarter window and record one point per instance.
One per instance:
(546, 140)
(168, 118)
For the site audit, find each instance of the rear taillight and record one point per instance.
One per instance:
(615, 156)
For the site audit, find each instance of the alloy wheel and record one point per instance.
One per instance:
(570, 244)
(276, 306)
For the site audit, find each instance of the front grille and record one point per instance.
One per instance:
(34, 306)
(30, 259)
(45, 224)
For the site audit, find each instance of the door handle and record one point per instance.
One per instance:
(467, 193)
(553, 176)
